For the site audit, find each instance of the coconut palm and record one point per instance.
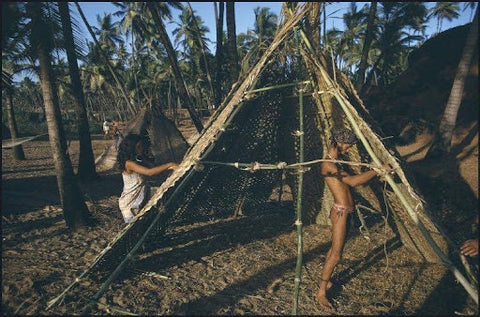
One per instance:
(264, 27)
(443, 141)
(107, 36)
(444, 10)
(369, 36)
(8, 88)
(75, 211)
(158, 11)
(86, 167)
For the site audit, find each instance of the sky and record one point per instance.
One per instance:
(245, 17)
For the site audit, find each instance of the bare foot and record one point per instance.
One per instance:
(323, 301)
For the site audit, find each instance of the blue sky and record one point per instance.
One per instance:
(244, 15)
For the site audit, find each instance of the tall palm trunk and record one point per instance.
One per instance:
(232, 42)
(204, 54)
(75, 211)
(131, 108)
(312, 28)
(18, 153)
(218, 51)
(86, 164)
(366, 46)
(443, 140)
(177, 75)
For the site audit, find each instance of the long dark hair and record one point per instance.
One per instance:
(127, 150)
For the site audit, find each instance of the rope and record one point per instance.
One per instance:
(254, 166)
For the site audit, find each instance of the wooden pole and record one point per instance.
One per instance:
(298, 222)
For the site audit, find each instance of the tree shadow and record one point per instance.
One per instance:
(21, 195)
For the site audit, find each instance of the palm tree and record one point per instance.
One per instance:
(200, 31)
(471, 5)
(394, 42)
(369, 35)
(109, 37)
(443, 141)
(264, 27)
(86, 166)
(232, 42)
(157, 10)
(444, 10)
(75, 211)
(11, 18)
(7, 86)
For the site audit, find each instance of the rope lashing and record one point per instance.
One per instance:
(297, 133)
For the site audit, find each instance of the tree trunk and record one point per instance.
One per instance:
(179, 82)
(218, 52)
(232, 42)
(366, 46)
(443, 140)
(312, 28)
(75, 211)
(18, 153)
(86, 164)
(107, 61)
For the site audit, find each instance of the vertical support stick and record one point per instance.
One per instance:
(298, 222)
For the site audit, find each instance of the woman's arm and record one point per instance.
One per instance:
(132, 166)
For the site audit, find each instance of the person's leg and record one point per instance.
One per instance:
(339, 222)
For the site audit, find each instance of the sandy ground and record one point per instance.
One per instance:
(243, 265)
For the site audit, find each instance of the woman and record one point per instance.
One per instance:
(134, 165)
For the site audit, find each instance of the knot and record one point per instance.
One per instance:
(297, 280)
(299, 170)
(254, 166)
(235, 164)
(297, 133)
(281, 165)
(298, 222)
(77, 280)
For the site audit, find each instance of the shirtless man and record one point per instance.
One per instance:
(339, 183)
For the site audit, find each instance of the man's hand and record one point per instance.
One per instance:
(470, 247)
(173, 166)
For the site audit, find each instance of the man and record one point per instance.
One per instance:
(106, 128)
(339, 183)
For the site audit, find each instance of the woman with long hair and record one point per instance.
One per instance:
(135, 166)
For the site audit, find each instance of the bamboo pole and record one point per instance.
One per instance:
(277, 86)
(343, 103)
(298, 222)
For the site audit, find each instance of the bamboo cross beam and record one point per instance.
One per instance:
(282, 165)
(278, 86)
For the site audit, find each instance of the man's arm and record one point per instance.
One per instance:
(331, 170)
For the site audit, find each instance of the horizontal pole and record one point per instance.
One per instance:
(278, 86)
